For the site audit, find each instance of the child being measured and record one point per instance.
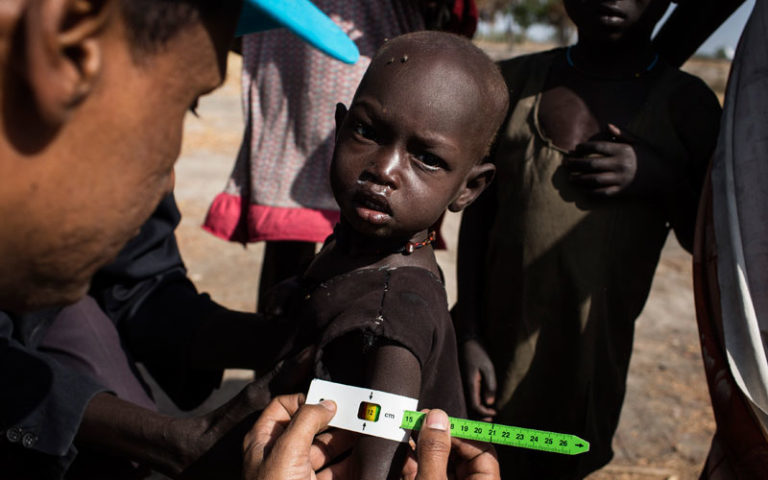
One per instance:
(412, 144)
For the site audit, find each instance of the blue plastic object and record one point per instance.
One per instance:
(304, 19)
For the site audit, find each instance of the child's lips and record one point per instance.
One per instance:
(611, 20)
(372, 207)
(610, 15)
(608, 8)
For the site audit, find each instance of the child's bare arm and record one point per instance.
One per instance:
(478, 374)
(394, 369)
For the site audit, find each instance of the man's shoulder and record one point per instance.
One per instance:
(28, 328)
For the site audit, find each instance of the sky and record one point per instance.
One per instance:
(728, 34)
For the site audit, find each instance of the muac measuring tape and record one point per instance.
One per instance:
(386, 415)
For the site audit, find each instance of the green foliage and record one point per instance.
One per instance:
(528, 12)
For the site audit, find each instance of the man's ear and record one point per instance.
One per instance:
(478, 179)
(339, 116)
(63, 53)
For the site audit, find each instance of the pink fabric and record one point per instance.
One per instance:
(290, 91)
(463, 18)
(266, 223)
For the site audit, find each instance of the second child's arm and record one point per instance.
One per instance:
(478, 374)
(696, 115)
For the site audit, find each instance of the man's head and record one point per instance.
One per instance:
(93, 98)
(414, 139)
(616, 20)
(92, 101)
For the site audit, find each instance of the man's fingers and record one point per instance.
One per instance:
(434, 446)
(338, 471)
(329, 446)
(411, 466)
(283, 407)
(300, 433)
(270, 425)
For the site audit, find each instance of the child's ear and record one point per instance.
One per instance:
(63, 53)
(339, 116)
(478, 179)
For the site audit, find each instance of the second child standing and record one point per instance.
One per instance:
(604, 151)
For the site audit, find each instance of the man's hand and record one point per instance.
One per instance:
(213, 442)
(471, 460)
(621, 165)
(286, 443)
(479, 378)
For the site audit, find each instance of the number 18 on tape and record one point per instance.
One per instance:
(386, 415)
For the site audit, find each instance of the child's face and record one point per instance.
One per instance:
(408, 146)
(613, 20)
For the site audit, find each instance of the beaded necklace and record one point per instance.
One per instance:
(406, 249)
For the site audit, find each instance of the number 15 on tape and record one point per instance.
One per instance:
(386, 415)
(505, 435)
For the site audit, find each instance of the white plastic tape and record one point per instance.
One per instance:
(364, 410)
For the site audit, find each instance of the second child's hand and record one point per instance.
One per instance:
(479, 378)
(622, 165)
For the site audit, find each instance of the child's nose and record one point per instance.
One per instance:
(384, 168)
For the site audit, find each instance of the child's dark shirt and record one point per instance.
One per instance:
(362, 309)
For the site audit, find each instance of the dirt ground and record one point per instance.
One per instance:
(666, 424)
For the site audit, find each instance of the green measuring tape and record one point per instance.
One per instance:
(505, 435)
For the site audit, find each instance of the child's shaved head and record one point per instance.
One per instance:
(413, 141)
(467, 72)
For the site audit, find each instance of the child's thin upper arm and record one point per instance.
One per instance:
(389, 330)
(390, 368)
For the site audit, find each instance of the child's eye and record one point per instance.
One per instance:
(364, 131)
(430, 161)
